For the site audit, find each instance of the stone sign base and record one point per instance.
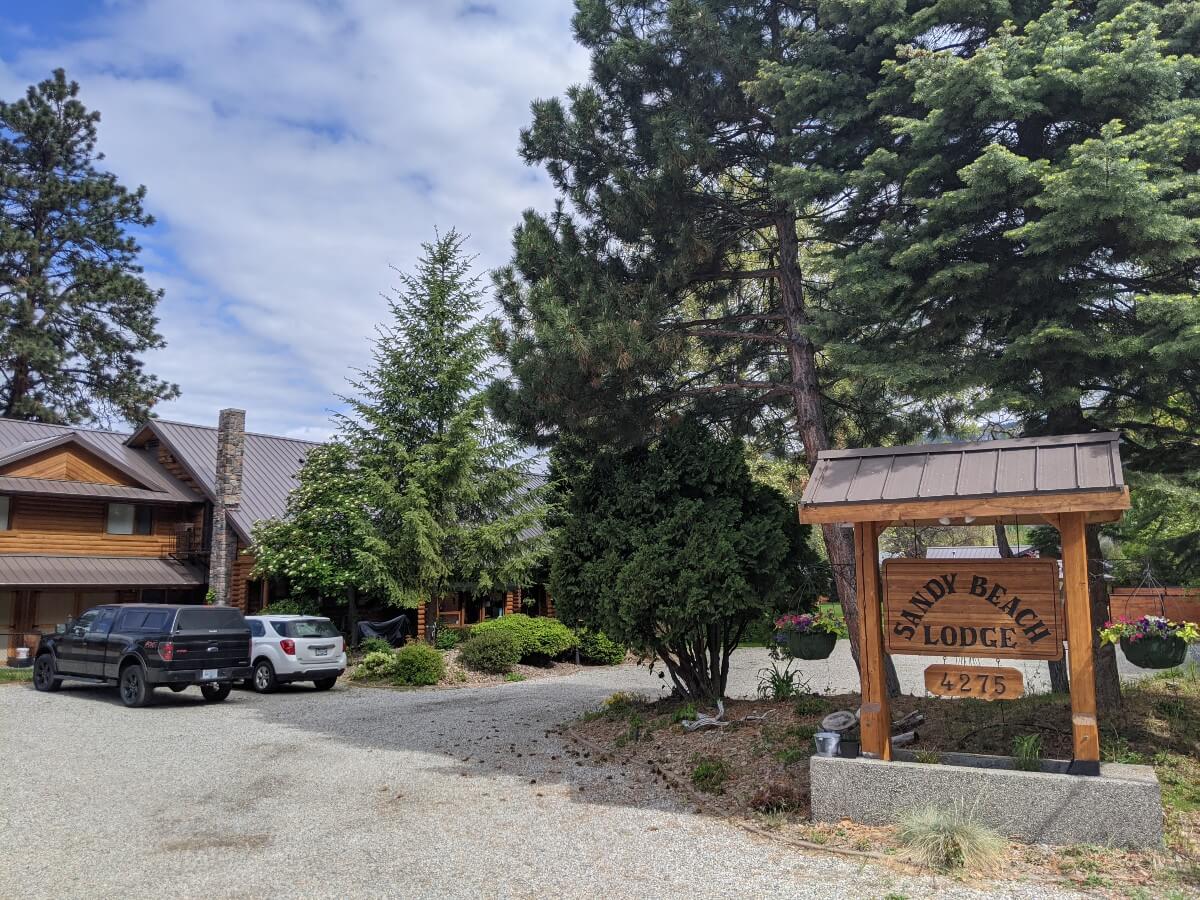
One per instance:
(1121, 807)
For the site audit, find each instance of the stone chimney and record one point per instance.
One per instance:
(231, 441)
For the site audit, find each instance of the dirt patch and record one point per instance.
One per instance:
(755, 770)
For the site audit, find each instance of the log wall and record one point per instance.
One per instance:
(50, 526)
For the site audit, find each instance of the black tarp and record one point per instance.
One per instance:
(394, 631)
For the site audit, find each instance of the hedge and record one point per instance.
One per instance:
(492, 651)
(538, 638)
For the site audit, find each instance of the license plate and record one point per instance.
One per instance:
(321, 651)
(209, 674)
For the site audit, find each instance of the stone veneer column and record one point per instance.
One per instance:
(231, 440)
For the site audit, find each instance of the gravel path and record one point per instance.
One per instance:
(363, 792)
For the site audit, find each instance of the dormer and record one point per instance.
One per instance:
(69, 457)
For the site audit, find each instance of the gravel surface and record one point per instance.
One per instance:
(362, 792)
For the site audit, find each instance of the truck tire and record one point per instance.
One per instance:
(263, 680)
(44, 677)
(324, 684)
(134, 690)
(215, 693)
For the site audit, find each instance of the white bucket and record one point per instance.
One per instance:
(22, 653)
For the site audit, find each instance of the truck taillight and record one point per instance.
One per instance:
(166, 650)
(288, 646)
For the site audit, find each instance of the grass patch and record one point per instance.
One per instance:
(514, 676)
(949, 839)
(709, 773)
(1027, 753)
(13, 676)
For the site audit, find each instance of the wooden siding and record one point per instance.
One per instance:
(69, 464)
(1176, 603)
(51, 526)
(240, 577)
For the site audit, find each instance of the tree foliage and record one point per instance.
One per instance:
(76, 315)
(672, 549)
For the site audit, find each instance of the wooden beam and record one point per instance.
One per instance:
(1084, 727)
(875, 721)
(1108, 506)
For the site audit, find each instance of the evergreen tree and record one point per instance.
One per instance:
(1027, 231)
(75, 312)
(673, 549)
(675, 282)
(453, 503)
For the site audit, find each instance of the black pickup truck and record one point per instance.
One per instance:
(139, 647)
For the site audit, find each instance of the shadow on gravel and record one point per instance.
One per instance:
(508, 736)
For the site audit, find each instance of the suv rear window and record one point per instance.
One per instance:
(147, 620)
(306, 628)
(205, 617)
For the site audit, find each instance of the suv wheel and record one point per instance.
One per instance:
(264, 677)
(44, 678)
(134, 690)
(215, 693)
(324, 684)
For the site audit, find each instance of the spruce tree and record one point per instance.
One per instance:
(1026, 233)
(453, 503)
(75, 312)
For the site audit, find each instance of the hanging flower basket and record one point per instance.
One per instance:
(814, 645)
(808, 636)
(1155, 652)
(1151, 642)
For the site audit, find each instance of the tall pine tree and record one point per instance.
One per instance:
(75, 312)
(453, 502)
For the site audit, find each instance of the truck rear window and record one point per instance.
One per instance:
(147, 620)
(207, 617)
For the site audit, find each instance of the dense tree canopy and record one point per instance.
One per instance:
(672, 549)
(75, 312)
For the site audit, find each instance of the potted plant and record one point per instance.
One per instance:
(1151, 642)
(808, 635)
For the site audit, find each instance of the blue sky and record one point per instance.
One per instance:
(294, 150)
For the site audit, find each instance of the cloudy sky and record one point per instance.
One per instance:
(292, 151)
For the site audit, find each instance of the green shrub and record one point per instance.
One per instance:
(949, 839)
(514, 676)
(375, 645)
(449, 638)
(376, 664)
(538, 638)
(492, 651)
(418, 664)
(710, 773)
(596, 648)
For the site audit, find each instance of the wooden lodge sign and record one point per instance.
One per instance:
(995, 608)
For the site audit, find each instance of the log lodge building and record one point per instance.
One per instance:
(161, 515)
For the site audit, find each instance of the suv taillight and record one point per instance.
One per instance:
(166, 650)
(288, 646)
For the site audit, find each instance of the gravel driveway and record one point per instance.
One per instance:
(364, 792)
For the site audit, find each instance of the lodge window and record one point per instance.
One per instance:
(5, 513)
(130, 518)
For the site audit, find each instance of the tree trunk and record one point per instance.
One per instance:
(810, 420)
(1059, 681)
(1108, 680)
(352, 614)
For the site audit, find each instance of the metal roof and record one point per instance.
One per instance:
(269, 467)
(14, 484)
(19, 439)
(1022, 466)
(21, 570)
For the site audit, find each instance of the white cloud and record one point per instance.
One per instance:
(291, 152)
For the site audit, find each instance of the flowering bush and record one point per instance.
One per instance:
(808, 623)
(1148, 626)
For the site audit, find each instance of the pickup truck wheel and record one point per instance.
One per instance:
(324, 684)
(44, 678)
(264, 677)
(134, 690)
(215, 693)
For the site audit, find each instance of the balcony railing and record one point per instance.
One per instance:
(187, 545)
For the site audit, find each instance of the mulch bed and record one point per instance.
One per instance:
(755, 770)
